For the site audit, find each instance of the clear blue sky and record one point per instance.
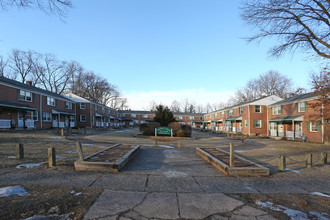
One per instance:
(149, 45)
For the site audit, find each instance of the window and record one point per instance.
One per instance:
(257, 109)
(277, 110)
(245, 123)
(50, 101)
(25, 96)
(314, 126)
(231, 111)
(179, 117)
(109, 111)
(82, 118)
(32, 116)
(72, 118)
(145, 116)
(46, 116)
(93, 118)
(258, 123)
(82, 105)
(103, 109)
(68, 105)
(241, 110)
(133, 115)
(95, 107)
(302, 106)
(191, 117)
(216, 115)
(222, 114)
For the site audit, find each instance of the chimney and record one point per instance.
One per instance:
(29, 83)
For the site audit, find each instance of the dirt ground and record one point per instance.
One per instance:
(55, 200)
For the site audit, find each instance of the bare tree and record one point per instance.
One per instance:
(269, 83)
(175, 106)
(302, 24)
(3, 65)
(21, 64)
(56, 7)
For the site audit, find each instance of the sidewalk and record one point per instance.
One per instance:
(169, 184)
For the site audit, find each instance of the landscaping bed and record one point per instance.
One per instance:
(111, 159)
(242, 167)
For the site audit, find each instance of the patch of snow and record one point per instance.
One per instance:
(103, 147)
(11, 157)
(166, 146)
(58, 157)
(73, 192)
(295, 171)
(78, 194)
(28, 165)
(57, 217)
(95, 157)
(56, 137)
(88, 144)
(320, 194)
(71, 152)
(239, 151)
(293, 214)
(271, 149)
(13, 191)
(107, 161)
(171, 173)
(320, 216)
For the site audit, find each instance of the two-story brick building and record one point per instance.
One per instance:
(247, 118)
(296, 117)
(25, 106)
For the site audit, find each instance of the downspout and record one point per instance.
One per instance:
(267, 121)
(40, 111)
(90, 114)
(249, 123)
(322, 124)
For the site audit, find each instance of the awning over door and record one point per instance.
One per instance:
(288, 118)
(61, 112)
(15, 106)
(239, 118)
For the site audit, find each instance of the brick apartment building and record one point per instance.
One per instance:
(295, 117)
(26, 106)
(248, 118)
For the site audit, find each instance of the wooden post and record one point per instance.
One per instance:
(324, 158)
(80, 150)
(179, 144)
(171, 133)
(231, 159)
(282, 163)
(309, 159)
(20, 151)
(62, 132)
(156, 133)
(156, 142)
(51, 157)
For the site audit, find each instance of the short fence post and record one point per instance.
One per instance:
(80, 150)
(51, 157)
(309, 160)
(324, 158)
(179, 144)
(171, 133)
(231, 158)
(282, 163)
(155, 132)
(20, 151)
(62, 132)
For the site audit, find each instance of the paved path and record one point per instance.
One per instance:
(168, 184)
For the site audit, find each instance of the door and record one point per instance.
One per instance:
(20, 120)
(280, 130)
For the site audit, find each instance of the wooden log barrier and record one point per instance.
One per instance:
(51, 157)
(309, 160)
(231, 156)
(324, 158)
(80, 150)
(20, 151)
(282, 163)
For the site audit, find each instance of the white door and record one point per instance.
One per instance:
(280, 130)
(20, 120)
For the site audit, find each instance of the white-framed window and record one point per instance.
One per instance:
(50, 101)
(46, 116)
(277, 110)
(144, 116)
(231, 111)
(133, 115)
(82, 118)
(103, 109)
(191, 117)
(216, 115)
(68, 105)
(95, 107)
(82, 105)
(93, 118)
(222, 114)
(302, 107)
(314, 126)
(30, 115)
(257, 123)
(109, 110)
(246, 123)
(72, 118)
(241, 110)
(25, 96)
(179, 117)
(257, 109)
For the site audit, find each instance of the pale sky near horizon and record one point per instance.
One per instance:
(155, 50)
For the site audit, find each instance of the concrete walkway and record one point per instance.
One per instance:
(168, 184)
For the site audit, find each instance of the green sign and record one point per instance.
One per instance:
(164, 131)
